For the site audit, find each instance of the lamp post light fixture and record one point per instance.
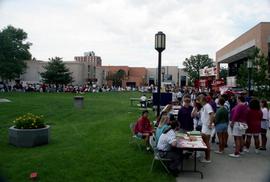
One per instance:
(249, 66)
(160, 44)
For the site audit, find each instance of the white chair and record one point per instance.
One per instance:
(153, 144)
(134, 138)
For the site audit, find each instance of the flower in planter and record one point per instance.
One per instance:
(29, 121)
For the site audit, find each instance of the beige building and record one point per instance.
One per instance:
(91, 63)
(84, 69)
(88, 68)
(236, 52)
(34, 68)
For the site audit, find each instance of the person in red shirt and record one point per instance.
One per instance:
(254, 118)
(143, 128)
(238, 119)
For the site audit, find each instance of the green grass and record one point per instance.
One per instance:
(91, 144)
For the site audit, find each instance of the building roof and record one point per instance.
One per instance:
(253, 37)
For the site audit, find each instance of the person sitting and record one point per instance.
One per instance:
(143, 101)
(163, 125)
(167, 148)
(165, 111)
(143, 128)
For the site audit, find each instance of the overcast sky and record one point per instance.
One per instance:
(122, 31)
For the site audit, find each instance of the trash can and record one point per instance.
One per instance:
(78, 102)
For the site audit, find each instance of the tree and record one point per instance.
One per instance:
(56, 72)
(117, 77)
(195, 63)
(13, 52)
(242, 76)
(259, 73)
(223, 73)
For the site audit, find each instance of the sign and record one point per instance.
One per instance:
(208, 71)
(231, 81)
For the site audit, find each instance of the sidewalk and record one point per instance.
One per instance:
(250, 167)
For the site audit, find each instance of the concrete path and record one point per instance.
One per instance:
(250, 167)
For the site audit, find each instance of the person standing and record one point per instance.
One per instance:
(254, 119)
(193, 96)
(228, 107)
(214, 107)
(184, 115)
(238, 125)
(207, 119)
(264, 123)
(196, 115)
(221, 123)
(179, 96)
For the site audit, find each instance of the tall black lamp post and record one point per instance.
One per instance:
(249, 66)
(160, 43)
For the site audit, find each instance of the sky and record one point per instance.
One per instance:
(122, 31)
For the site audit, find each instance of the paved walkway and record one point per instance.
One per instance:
(250, 167)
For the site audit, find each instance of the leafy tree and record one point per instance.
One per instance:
(117, 77)
(223, 73)
(56, 72)
(195, 63)
(13, 52)
(242, 76)
(259, 73)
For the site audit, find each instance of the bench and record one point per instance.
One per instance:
(138, 100)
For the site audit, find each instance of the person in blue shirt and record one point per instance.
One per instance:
(163, 125)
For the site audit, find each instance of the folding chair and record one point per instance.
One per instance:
(153, 144)
(134, 138)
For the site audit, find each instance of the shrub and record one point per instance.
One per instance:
(29, 121)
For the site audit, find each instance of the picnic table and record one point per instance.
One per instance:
(192, 143)
(138, 100)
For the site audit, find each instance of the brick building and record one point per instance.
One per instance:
(135, 76)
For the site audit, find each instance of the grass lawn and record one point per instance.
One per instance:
(91, 144)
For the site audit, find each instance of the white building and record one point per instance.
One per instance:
(171, 74)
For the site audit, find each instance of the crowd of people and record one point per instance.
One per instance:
(221, 115)
(42, 87)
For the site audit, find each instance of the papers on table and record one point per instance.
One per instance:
(182, 143)
(190, 141)
(194, 133)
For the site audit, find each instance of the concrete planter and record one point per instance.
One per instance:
(29, 137)
(78, 102)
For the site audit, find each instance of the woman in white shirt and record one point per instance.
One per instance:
(264, 123)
